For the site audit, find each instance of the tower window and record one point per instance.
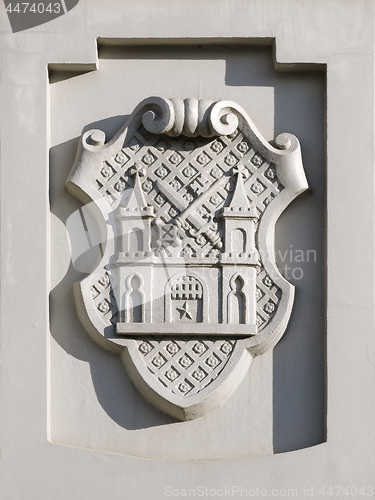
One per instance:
(239, 240)
(135, 240)
(135, 300)
(237, 302)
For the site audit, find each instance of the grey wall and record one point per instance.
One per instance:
(283, 399)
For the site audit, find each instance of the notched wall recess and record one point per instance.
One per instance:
(188, 291)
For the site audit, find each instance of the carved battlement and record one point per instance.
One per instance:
(249, 259)
(126, 212)
(237, 212)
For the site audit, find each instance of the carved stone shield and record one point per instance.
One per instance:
(187, 292)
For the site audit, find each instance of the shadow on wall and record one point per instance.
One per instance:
(107, 371)
(299, 385)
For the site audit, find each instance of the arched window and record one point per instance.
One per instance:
(135, 239)
(237, 302)
(135, 309)
(239, 240)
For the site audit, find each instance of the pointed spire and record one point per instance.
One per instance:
(239, 200)
(240, 206)
(135, 205)
(136, 200)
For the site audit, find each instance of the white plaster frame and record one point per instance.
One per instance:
(337, 34)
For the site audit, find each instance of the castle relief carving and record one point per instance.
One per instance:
(187, 291)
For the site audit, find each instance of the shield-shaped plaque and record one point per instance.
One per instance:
(187, 291)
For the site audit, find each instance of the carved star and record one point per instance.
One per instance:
(184, 311)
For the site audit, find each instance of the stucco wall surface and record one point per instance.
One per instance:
(72, 425)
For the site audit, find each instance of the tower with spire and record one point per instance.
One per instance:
(134, 219)
(240, 257)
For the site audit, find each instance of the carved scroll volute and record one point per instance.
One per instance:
(189, 117)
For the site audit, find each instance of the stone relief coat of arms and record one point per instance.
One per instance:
(187, 291)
